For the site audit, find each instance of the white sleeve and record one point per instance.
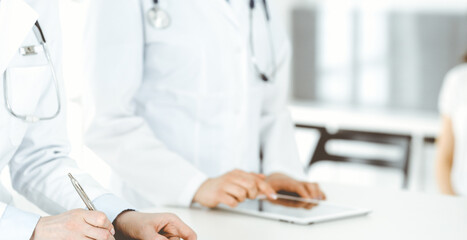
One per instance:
(448, 99)
(115, 55)
(16, 224)
(280, 152)
(40, 166)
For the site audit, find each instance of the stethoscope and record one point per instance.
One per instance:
(160, 19)
(29, 51)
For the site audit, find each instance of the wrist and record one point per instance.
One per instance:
(198, 197)
(121, 225)
(33, 236)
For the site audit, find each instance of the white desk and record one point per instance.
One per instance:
(404, 122)
(419, 125)
(396, 215)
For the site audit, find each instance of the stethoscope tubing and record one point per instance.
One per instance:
(160, 19)
(262, 74)
(32, 118)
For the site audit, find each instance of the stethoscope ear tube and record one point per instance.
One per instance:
(265, 8)
(38, 32)
(262, 74)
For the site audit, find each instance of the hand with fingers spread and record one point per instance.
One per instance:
(282, 182)
(75, 224)
(232, 188)
(152, 226)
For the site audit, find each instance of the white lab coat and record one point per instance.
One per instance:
(36, 153)
(171, 107)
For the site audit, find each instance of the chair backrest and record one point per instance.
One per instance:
(401, 141)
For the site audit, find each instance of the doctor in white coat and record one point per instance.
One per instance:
(35, 147)
(177, 99)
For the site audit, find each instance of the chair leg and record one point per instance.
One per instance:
(320, 150)
(408, 151)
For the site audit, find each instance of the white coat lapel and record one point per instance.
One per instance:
(226, 10)
(16, 21)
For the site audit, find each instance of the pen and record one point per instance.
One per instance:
(82, 193)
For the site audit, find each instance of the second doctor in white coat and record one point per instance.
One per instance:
(184, 105)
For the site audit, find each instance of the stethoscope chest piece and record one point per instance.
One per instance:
(158, 18)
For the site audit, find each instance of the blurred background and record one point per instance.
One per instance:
(366, 77)
(364, 86)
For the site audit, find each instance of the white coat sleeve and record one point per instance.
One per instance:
(115, 59)
(279, 149)
(16, 224)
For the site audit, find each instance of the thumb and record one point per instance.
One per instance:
(267, 190)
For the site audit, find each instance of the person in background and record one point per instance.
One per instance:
(34, 146)
(451, 162)
(184, 92)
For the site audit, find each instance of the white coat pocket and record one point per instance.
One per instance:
(24, 87)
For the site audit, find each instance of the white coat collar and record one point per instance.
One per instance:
(16, 21)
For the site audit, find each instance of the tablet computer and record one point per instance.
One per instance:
(298, 211)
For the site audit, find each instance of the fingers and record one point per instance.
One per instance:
(150, 233)
(236, 191)
(254, 184)
(228, 200)
(96, 233)
(266, 189)
(314, 191)
(260, 175)
(159, 237)
(175, 229)
(99, 220)
(304, 189)
(249, 185)
(310, 206)
(300, 188)
(184, 231)
(289, 203)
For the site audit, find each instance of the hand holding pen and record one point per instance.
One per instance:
(136, 225)
(75, 224)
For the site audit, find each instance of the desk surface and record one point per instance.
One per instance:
(421, 123)
(396, 215)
